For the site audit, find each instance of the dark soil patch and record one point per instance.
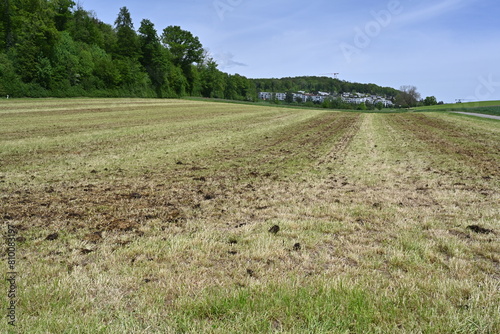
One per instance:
(479, 229)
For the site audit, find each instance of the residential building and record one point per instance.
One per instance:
(355, 98)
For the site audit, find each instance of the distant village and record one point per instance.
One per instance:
(320, 97)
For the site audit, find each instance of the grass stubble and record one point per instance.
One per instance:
(144, 216)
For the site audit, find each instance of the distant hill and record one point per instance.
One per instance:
(323, 84)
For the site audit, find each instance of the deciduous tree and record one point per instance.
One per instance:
(185, 48)
(154, 57)
(430, 101)
(407, 96)
(212, 79)
(63, 13)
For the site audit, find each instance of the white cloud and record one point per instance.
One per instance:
(430, 11)
(226, 60)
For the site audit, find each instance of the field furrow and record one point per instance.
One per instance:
(478, 149)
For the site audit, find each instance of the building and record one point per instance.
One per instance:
(271, 96)
(354, 98)
(280, 96)
(265, 96)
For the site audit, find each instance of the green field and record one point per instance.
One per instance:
(153, 216)
(484, 107)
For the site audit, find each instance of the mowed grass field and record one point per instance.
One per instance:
(483, 107)
(154, 216)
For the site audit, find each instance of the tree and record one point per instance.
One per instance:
(66, 61)
(154, 57)
(124, 20)
(243, 87)
(127, 44)
(185, 48)
(430, 101)
(370, 105)
(84, 27)
(212, 80)
(106, 74)
(10, 82)
(379, 105)
(148, 35)
(178, 81)
(35, 37)
(407, 96)
(108, 37)
(6, 32)
(63, 13)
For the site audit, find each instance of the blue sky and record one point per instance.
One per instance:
(446, 48)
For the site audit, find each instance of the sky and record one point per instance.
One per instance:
(449, 49)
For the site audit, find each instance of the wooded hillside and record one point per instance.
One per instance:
(57, 48)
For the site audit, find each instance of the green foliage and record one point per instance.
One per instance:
(124, 20)
(84, 27)
(57, 48)
(407, 97)
(10, 82)
(62, 10)
(5, 24)
(430, 101)
(66, 60)
(239, 88)
(178, 81)
(325, 84)
(127, 43)
(154, 58)
(184, 47)
(213, 83)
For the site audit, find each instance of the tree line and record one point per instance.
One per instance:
(321, 84)
(57, 48)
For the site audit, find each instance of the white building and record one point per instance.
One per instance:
(359, 98)
(355, 98)
(270, 96)
(280, 96)
(265, 96)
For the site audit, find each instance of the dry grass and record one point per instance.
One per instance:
(162, 210)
